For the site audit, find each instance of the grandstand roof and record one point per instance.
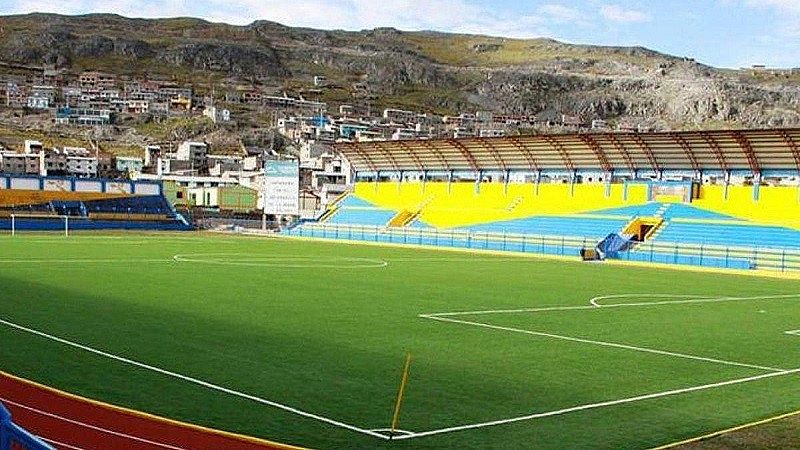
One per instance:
(754, 150)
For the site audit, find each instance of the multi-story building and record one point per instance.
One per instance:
(129, 164)
(83, 116)
(38, 101)
(16, 95)
(196, 153)
(97, 80)
(217, 115)
(22, 163)
(137, 106)
(32, 147)
(399, 116)
(401, 134)
(82, 166)
(55, 162)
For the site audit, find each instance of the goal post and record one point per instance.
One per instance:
(27, 222)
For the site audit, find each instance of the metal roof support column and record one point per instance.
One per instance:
(793, 148)
(648, 153)
(573, 176)
(561, 150)
(747, 149)
(687, 149)
(715, 148)
(466, 153)
(602, 159)
(525, 152)
(449, 180)
(486, 143)
(727, 183)
(624, 152)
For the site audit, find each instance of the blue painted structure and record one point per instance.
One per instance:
(554, 226)
(733, 235)
(145, 197)
(14, 437)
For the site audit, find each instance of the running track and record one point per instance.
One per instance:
(70, 422)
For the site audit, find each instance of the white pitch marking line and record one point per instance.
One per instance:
(196, 381)
(89, 426)
(604, 343)
(793, 332)
(594, 304)
(600, 404)
(281, 261)
(79, 260)
(60, 444)
(398, 431)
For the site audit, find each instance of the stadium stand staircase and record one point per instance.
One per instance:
(332, 207)
(514, 203)
(674, 233)
(403, 218)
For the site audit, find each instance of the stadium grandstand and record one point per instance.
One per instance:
(726, 198)
(34, 203)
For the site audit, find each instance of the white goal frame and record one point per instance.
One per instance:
(14, 217)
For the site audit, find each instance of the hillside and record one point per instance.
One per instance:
(434, 71)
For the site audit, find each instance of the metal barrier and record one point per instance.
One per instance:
(765, 258)
(14, 437)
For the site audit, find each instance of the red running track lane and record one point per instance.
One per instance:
(74, 423)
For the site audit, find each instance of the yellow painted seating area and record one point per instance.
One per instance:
(459, 204)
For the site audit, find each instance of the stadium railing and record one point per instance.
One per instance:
(14, 437)
(764, 258)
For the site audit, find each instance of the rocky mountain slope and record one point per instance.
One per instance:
(425, 70)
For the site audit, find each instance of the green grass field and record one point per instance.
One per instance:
(324, 328)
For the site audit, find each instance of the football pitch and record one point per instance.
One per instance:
(304, 342)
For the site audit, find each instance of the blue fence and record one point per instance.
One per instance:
(59, 223)
(14, 437)
(777, 259)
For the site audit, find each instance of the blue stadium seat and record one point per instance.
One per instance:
(556, 226)
(730, 235)
(362, 216)
(150, 204)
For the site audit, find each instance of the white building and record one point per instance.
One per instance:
(32, 146)
(216, 114)
(37, 101)
(196, 153)
(404, 133)
(399, 115)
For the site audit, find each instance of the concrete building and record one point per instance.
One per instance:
(82, 166)
(196, 153)
(129, 164)
(83, 116)
(95, 79)
(217, 115)
(399, 116)
(32, 146)
(22, 163)
(55, 162)
(38, 101)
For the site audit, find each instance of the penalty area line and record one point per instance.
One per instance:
(602, 343)
(196, 381)
(599, 405)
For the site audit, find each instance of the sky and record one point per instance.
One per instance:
(723, 33)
